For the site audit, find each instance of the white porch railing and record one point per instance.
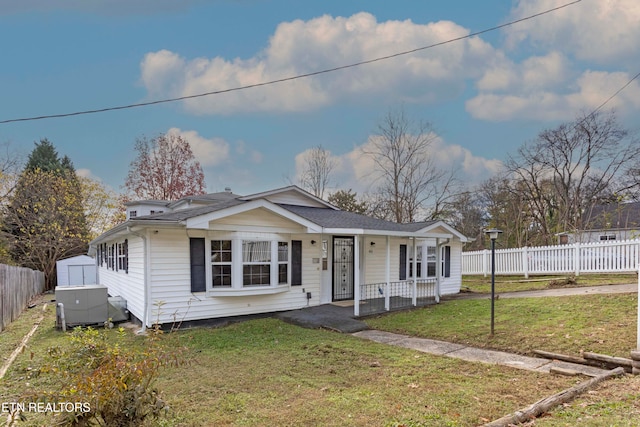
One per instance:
(381, 297)
(597, 257)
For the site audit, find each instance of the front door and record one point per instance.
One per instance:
(343, 268)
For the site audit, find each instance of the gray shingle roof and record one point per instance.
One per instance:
(330, 218)
(614, 215)
(183, 214)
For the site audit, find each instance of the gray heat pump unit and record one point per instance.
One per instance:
(83, 305)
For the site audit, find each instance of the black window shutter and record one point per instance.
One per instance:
(126, 256)
(198, 274)
(296, 262)
(403, 262)
(447, 261)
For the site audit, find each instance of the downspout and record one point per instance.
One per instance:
(97, 262)
(147, 281)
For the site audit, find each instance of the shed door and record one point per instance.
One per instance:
(81, 275)
(76, 275)
(342, 268)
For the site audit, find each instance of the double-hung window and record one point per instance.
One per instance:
(418, 260)
(283, 263)
(221, 257)
(431, 261)
(256, 263)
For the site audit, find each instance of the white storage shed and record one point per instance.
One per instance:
(76, 271)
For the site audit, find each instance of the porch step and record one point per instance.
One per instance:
(326, 316)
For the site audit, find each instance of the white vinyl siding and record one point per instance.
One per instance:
(129, 286)
(172, 300)
(451, 285)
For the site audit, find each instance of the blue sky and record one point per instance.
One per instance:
(485, 95)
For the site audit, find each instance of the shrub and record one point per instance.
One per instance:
(115, 383)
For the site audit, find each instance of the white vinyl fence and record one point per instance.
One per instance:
(598, 257)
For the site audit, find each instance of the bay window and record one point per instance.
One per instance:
(238, 265)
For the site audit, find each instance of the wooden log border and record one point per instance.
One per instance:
(544, 405)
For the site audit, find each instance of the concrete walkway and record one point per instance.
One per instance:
(341, 319)
(558, 292)
(472, 354)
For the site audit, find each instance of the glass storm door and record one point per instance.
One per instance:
(342, 268)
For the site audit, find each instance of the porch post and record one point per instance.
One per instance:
(414, 273)
(356, 276)
(387, 278)
(438, 268)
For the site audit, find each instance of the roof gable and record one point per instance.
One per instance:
(202, 221)
(292, 195)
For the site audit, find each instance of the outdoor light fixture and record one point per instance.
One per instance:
(493, 235)
(372, 243)
(313, 242)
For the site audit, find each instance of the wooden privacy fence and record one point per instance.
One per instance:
(597, 257)
(17, 286)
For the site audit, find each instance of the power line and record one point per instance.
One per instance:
(285, 79)
(616, 94)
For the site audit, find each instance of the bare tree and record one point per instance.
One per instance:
(568, 169)
(165, 169)
(317, 168)
(406, 174)
(10, 165)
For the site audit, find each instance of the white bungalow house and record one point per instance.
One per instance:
(222, 255)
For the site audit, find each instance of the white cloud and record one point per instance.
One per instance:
(208, 151)
(85, 173)
(589, 91)
(300, 47)
(597, 30)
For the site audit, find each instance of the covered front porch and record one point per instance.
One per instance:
(385, 272)
(388, 296)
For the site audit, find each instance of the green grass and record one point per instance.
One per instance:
(266, 372)
(482, 284)
(569, 325)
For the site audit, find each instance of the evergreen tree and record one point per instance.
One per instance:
(45, 219)
(44, 157)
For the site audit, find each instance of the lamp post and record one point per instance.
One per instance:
(493, 235)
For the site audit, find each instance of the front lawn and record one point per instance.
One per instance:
(596, 323)
(266, 372)
(481, 284)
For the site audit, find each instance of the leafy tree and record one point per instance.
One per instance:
(45, 220)
(406, 174)
(317, 168)
(347, 201)
(101, 206)
(164, 169)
